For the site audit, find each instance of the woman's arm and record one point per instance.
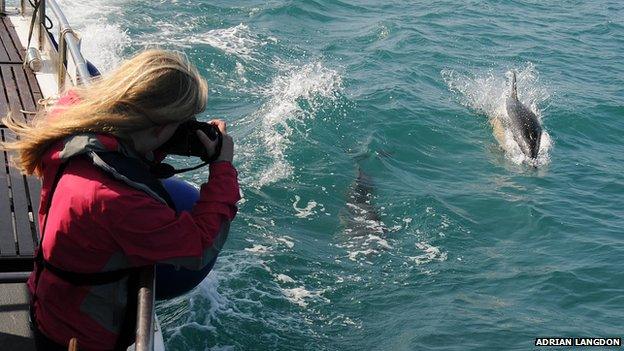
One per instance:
(148, 231)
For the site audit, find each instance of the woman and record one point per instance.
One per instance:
(101, 211)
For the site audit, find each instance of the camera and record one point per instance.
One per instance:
(185, 141)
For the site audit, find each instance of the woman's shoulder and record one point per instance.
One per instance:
(103, 187)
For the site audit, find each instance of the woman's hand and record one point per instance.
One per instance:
(227, 148)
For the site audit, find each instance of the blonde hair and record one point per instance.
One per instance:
(155, 87)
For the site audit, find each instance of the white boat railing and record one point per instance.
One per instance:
(65, 55)
(68, 42)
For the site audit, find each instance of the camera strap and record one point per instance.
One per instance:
(165, 170)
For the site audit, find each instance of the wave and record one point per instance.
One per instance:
(238, 41)
(293, 96)
(105, 41)
(221, 302)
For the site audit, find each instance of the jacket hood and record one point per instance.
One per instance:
(78, 144)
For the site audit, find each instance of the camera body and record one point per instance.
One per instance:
(185, 141)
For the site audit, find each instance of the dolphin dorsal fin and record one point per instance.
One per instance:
(514, 91)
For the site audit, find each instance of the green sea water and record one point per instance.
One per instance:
(379, 210)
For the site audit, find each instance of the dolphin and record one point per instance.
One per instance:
(524, 124)
(363, 228)
(362, 194)
(361, 216)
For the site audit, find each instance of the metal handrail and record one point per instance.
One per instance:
(41, 27)
(68, 41)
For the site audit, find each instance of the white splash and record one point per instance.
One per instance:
(364, 248)
(365, 254)
(300, 295)
(304, 212)
(429, 253)
(275, 121)
(361, 221)
(257, 249)
(286, 240)
(238, 41)
(284, 278)
(487, 92)
(104, 40)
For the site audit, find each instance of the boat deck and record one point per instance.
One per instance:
(19, 195)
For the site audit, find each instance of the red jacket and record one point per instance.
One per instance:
(98, 223)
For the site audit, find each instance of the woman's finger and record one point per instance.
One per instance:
(220, 124)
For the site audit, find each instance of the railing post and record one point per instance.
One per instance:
(145, 311)
(2, 7)
(62, 68)
(23, 7)
(42, 17)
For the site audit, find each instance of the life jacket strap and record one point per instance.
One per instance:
(89, 279)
